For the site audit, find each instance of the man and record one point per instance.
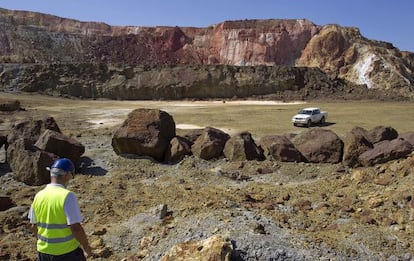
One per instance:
(56, 215)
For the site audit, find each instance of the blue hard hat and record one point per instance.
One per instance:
(63, 164)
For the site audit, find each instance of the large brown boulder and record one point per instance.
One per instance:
(242, 147)
(31, 129)
(179, 148)
(385, 151)
(280, 148)
(29, 163)
(214, 248)
(210, 143)
(380, 133)
(319, 146)
(60, 145)
(355, 143)
(146, 132)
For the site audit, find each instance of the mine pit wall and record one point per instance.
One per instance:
(172, 82)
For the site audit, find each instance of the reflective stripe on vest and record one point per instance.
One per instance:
(52, 226)
(56, 240)
(54, 235)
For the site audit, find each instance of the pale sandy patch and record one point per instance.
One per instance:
(188, 126)
(240, 102)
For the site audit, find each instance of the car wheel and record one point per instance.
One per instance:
(322, 122)
(295, 124)
(309, 124)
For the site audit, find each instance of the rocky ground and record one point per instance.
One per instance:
(268, 210)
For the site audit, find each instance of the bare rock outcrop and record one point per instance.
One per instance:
(173, 82)
(242, 147)
(145, 132)
(210, 143)
(279, 147)
(319, 146)
(60, 145)
(29, 163)
(385, 151)
(215, 248)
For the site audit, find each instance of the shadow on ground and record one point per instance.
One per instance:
(326, 124)
(4, 168)
(87, 168)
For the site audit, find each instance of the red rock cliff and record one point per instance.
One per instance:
(27, 37)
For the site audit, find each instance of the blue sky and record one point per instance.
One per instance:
(383, 20)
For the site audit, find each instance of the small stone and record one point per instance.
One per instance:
(98, 243)
(99, 232)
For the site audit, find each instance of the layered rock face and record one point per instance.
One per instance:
(33, 38)
(164, 82)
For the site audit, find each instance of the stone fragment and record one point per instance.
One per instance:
(60, 145)
(31, 129)
(29, 163)
(215, 248)
(385, 151)
(242, 147)
(179, 148)
(210, 143)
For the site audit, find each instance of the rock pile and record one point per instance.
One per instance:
(34, 144)
(148, 132)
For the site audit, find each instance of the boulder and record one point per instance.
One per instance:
(145, 132)
(408, 136)
(192, 135)
(31, 129)
(242, 147)
(210, 143)
(60, 145)
(179, 148)
(381, 133)
(385, 151)
(280, 148)
(355, 143)
(5, 203)
(29, 163)
(319, 146)
(214, 248)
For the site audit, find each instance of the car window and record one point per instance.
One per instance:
(307, 112)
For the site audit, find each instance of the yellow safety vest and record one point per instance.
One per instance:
(54, 235)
